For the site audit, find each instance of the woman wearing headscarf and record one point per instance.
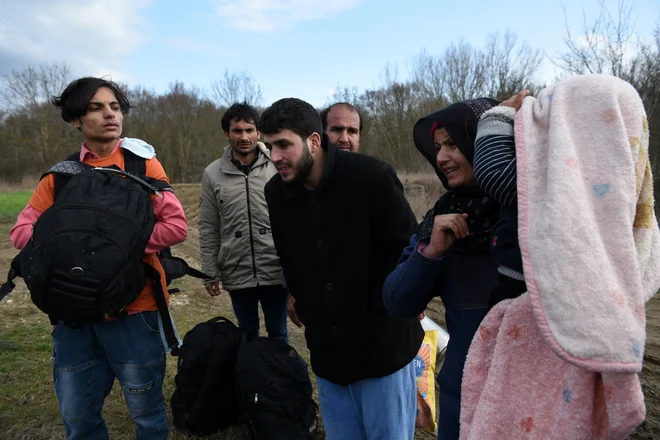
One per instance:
(449, 256)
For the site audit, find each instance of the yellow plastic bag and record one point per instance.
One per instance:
(425, 370)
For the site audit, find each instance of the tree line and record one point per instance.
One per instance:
(183, 123)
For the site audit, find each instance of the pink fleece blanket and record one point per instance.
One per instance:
(561, 361)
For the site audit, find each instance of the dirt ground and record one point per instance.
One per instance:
(192, 306)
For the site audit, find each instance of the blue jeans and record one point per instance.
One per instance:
(86, 361)
(273, 303)
(384, 408)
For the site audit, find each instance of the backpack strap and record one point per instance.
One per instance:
(62, 171)
(160, 185)
(176, 267)
(74, 157)
(170, 336)
(134, 164)
(14, 272)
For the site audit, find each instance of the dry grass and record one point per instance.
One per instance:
(28, 407)
(28, 183)
(429, 181)
(431, 187)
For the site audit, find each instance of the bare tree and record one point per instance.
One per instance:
(500, 70)
(181, 124)
(27, 89)
(509, 66)
(465, 71)
(644, 74)
(428, 73)
(345, 93)
(394, 108)
(605, 43)
(236, 87)
(33, 123)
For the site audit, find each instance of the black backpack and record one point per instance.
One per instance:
(83, 263)
(275, 392)
(205, 398)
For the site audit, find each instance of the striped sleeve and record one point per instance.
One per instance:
(495, 155)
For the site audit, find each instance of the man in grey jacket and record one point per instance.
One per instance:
(236, 244)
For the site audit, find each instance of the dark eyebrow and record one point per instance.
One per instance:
(341, 127)
(282, 143)
(100, 103)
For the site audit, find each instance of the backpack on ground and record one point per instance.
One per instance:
(205, 398)
(83, 262)
(275, 392)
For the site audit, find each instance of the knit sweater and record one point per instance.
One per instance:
(495, 172)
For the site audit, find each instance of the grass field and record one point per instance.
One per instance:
(28, 407)
(11, 204)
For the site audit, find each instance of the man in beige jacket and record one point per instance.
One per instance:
(236, 244)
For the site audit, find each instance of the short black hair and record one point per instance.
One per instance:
(239, 111)
(76, 97)
(291, 114)
(324, 114)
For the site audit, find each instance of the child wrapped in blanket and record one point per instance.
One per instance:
(559, 353)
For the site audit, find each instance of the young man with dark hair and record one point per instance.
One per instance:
(340, 222)
(342, 123)
(236, 244)
(88, 357)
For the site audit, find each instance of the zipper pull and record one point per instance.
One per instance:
(256, 398)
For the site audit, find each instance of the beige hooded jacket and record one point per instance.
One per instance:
(236, 243)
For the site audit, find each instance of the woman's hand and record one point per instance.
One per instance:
(447, 229)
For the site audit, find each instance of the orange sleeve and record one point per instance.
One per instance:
(155, 170)
(44, 195)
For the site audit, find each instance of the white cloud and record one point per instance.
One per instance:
(92, 37)
(268, 15)
(627, 50)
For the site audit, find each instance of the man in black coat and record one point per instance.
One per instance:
(340, 222)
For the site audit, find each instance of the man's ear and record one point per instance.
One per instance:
(314, 142)
(76, 123)
(226, 134)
